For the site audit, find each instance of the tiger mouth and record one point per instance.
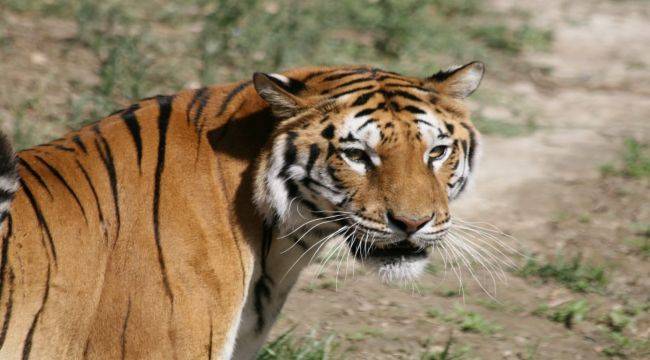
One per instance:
(402, 250)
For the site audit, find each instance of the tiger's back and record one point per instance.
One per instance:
(116, 240)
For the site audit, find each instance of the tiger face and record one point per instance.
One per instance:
(371, 157)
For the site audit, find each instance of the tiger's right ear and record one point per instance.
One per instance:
(283, 104)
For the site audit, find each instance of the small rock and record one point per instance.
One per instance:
(38, 58)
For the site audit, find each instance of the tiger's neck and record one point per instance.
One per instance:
(283, 255)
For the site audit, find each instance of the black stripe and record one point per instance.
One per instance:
(472, 144)
(424, 122)
(328, 132)
(351, 82)
(406, 95)
(413, 109)
(80, 144)
(363, 99)
(262, 289)
(131, 121)
(314, 74)
(39, 216)
(290, 153)
(338, 95)
(107, 158)
(365, 112)
(30, 334)
(9, 307)
(210, 345)
(368, 122)
(165, 109)
(59, 147)
(450, 127)
(124, 325)
(345, 74)
(58, 175)
(36, 175)
(231, 95)
(199, 100)
(4, 278)
(314, 151)
(409, 86)
(99, 208)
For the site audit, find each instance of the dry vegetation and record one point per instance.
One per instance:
(566, 168)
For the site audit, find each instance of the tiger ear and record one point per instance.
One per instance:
(458, 82)
(270, 87)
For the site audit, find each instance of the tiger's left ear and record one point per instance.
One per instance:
(458, 82)
(271, 88)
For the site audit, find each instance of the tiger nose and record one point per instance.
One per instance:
(406, 224)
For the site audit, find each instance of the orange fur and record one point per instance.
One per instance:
(137, 236)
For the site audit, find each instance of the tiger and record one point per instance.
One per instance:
(176, 227)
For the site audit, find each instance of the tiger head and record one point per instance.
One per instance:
(370, 157)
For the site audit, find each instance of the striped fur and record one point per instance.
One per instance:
(167, 229)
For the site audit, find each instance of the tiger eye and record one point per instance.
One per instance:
(437, 152)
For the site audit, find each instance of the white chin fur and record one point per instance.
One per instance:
(401, 271)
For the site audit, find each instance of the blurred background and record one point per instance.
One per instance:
(565, 172)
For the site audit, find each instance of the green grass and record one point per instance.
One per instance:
(571, 313)
(635, 161)
(364, 333)
(286, 346)
(641, 241)
(573, 273)
(473, 322)
(447, 352)
(568, 314)
(141, 49)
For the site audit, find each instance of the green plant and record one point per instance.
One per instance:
(636, 161)
(286, 346)
(573, 273)
(570, 313)
(470, 321)
(642, 240)
(446, 353)
(364, 333)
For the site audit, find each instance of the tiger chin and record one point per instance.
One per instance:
(177, 227)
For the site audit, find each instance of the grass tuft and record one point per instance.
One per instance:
(286, 346)
(574, 274)
(636, 161)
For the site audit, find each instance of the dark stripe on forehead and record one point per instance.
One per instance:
(352, 91)
(351, 82)
(413, 109)
(406, 95)
(365, 112)
(363, 99)
(314, 74)
(410, 86)
(345, 74)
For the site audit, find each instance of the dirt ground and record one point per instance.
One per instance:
(546, 190)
